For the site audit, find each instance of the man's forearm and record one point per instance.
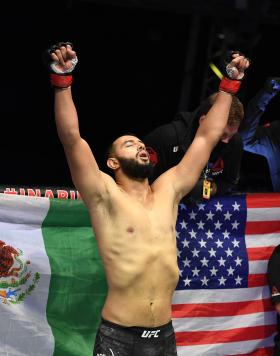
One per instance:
(217, 117)
(66, 117)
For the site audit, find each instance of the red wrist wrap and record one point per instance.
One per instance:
(229, 85)
(61, 81)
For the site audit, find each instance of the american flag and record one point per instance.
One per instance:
(222, 303)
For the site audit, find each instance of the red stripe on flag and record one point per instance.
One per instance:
(257, 280)
(262, 227)
(264, 351)
(260, 200)
(189, 338)
(259, 253)
(221, 309)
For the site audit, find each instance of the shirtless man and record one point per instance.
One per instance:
(134, 222)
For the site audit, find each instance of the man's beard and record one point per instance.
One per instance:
(135, 170)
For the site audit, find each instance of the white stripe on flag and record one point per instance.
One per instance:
(256, 267)
(224, 323)
(231, 348)
(221, 296)
(263, 214)
(262, 240)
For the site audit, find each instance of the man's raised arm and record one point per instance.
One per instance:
(86, 176)
(184, 175)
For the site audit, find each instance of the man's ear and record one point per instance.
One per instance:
(201, 119)
(113, 163)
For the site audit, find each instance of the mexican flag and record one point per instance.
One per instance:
(52, 283)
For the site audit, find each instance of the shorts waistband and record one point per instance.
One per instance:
(143, 332)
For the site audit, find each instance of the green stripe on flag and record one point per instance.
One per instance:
(78, 285)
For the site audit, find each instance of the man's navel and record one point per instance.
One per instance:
(130, 230)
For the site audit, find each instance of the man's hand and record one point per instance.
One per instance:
(61, 61)
(236, 67)
(277, 307)
(234, 72)
(64, 59)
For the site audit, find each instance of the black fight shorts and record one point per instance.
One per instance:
(116, 340)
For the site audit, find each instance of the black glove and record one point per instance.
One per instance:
(60, 75)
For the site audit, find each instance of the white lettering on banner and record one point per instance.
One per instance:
(44, 193)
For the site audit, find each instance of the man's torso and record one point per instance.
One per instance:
(137, 243)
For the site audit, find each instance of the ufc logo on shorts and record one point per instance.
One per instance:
(148, 333)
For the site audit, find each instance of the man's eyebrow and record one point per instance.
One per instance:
(131, 141)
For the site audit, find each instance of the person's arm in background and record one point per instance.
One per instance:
(255, 109)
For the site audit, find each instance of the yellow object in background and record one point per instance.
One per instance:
(216, 70)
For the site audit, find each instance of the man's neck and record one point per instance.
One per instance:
(139, 189)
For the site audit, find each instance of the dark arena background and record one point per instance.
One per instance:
(140, 61)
